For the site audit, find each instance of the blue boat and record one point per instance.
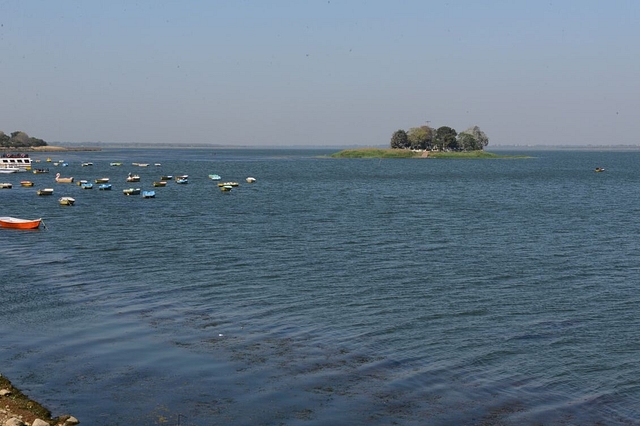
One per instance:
(87, 185)
(105, 186)
(148, 194)
(183, 181)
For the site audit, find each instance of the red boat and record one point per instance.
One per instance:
(14, 222)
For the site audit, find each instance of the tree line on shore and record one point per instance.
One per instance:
(19, 140)
(441, 139)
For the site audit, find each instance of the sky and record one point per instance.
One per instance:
(319, 73)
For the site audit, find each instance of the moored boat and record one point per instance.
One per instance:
(225, 188)
(19, 161)
(86, 164)
(87, 185)
(161, 183)
(214, 177)
(148, 194)
(599, 169)
(105, 186)
(102, 180)
(232, 184)
(37, 171)
(26, 183)
(17, 223)
(182, 181)
(251, 179)
(115, 164)
(60, 179)
(131, 191)
(166, 177)
(9, 170)
(82, 182)
(133, 178)
(45, 191)
(66, 201)
(6, 185)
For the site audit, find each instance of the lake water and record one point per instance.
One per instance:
(330, 291)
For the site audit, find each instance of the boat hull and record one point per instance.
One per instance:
(16, 223)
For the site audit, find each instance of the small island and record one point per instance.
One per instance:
(427, 142)
(396, 153)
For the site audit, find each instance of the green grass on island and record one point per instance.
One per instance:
(405, 153)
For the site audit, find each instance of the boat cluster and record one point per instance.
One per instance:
(104, 184)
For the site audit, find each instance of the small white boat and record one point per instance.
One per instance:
(66, 201)
(148, 194)
(45, 191)
(214, 177)
(6, 185)
(251, 179)
(133, 178)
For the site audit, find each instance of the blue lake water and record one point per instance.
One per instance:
(328, 292)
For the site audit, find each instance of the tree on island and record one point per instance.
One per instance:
(19, 140)
(442, 139)
(399, 140)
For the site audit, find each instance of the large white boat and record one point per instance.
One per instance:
(17, 162)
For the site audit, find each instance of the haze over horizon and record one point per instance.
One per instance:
(319, 73)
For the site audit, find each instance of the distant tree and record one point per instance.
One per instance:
(420, 137)
(446, 138)
(473, 139)
(399, 140)
(19, 139)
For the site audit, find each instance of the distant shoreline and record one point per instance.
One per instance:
(50, 148)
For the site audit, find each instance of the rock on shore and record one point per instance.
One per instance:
(16, 409)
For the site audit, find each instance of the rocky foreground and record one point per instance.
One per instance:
(16, 409)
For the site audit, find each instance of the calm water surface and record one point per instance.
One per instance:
(328, 292)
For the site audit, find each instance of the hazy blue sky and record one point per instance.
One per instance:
(326, 72)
